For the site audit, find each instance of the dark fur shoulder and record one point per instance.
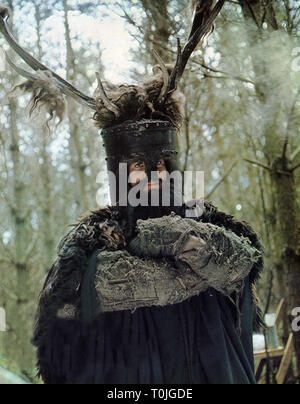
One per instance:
(94, 230)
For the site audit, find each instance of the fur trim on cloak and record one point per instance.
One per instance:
(103, 228)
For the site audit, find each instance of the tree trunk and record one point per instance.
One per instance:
(45, 171)
(17, 317)
(286, 238)
(288, 218)
(78, 163)
(159, 29)
(17, 310)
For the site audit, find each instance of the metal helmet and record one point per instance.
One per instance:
(147, 141)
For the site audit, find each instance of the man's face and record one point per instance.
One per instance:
(137, 174)
(160, 202)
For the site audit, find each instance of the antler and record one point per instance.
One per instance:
(64, 86)
(205, 16)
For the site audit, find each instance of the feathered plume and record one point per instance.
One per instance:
(45, 93)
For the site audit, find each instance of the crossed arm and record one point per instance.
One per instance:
(217, 255)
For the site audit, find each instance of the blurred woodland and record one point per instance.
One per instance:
(242, 128)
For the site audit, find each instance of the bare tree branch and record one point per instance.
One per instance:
(222, 179)
(289, 124)
(256, 163)
(295, 168)
(294, 154)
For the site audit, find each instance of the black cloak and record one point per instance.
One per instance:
(203, 340)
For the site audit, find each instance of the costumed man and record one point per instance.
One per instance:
(146, 293)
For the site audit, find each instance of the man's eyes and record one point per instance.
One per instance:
(140, 165)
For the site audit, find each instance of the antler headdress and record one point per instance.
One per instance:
(156, 99)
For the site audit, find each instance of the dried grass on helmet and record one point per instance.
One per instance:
(134, 103)
(121, 104)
